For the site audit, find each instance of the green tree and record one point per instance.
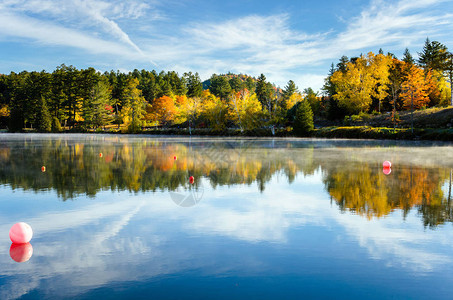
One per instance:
(407, 57)
(262, 90)
(97, 110)
(303, 123)
(236, 84)
(250, 84)
(433, 56)
(312, 98)
(220, 86)
(194, 85)
(134, 109)
(289, 90)
(43, 118)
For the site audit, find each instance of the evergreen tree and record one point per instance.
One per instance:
(56, 126)
(342, 65)
(328, 87)
(220, 86)
(261, 89)
(303, 123)
(407, 57)
(43, 118)
(97, 109)
(250, 84)
(312, 98)
(236, 84)
(433, 56)
(134, 109)
(194, 85)
(289, 90)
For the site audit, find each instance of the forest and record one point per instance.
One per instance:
(69, 99)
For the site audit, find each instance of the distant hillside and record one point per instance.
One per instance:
(229, 76)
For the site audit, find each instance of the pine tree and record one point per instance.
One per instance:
(303, 123)
(194, 85)
(433, 56)
(407, 57)
(43, 119)
(220, 86)
(134, 109)
(261, 89)
(289, 90)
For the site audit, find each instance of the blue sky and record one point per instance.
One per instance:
(285, 40)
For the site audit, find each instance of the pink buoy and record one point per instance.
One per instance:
(20, 233)
(387, 171)
(21, 252)
(387, 164)
(191, 179)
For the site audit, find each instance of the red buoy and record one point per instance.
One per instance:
(191, 179)
(387, 171)
(43, 169)
(387, 164)
(21, 252)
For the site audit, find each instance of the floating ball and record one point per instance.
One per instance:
(387, 164)
(175, 158)
(191, 179)
(20, 233)
(43, 169)
(100, 154)
(387, 171)
(21, 252)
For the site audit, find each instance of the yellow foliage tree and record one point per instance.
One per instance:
(363, 79)
(295, 98)
(214, 111)
(244, 109)
(380, 69)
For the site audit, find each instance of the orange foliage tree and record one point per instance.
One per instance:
(163, 110)
(415, 90)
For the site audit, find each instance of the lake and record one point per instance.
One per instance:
(118, 216)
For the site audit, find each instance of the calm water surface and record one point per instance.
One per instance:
(117, 217)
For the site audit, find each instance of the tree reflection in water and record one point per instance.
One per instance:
(354, 181)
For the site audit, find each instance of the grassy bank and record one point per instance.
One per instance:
(366, 132)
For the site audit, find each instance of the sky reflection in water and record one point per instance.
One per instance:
(286, 218)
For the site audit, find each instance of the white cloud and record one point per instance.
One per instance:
(24, 27)
(250, 44)
(79, 16)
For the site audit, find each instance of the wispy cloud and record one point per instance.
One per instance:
(251, 44)
(267, 44)
(75, 23)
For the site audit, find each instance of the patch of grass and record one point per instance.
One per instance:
(367, 132)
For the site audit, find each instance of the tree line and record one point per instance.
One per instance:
(88, 100)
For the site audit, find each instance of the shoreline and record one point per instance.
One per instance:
(335, 132)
